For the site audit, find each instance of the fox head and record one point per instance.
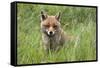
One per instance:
(50, 25)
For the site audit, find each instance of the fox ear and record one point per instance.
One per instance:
(43, 15)
(58, 16)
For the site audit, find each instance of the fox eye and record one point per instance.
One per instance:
(46, 26)
(55, 26)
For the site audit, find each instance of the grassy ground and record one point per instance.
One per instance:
(76, 21)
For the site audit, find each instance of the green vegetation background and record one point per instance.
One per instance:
(76, 21)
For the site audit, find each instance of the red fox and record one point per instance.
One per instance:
(52, 34)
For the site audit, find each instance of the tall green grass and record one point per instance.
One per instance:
(79, 22)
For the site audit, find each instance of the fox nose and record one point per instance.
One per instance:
(51, 32)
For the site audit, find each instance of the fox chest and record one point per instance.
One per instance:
(52, 43)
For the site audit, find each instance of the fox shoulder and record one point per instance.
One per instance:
(67, 37)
